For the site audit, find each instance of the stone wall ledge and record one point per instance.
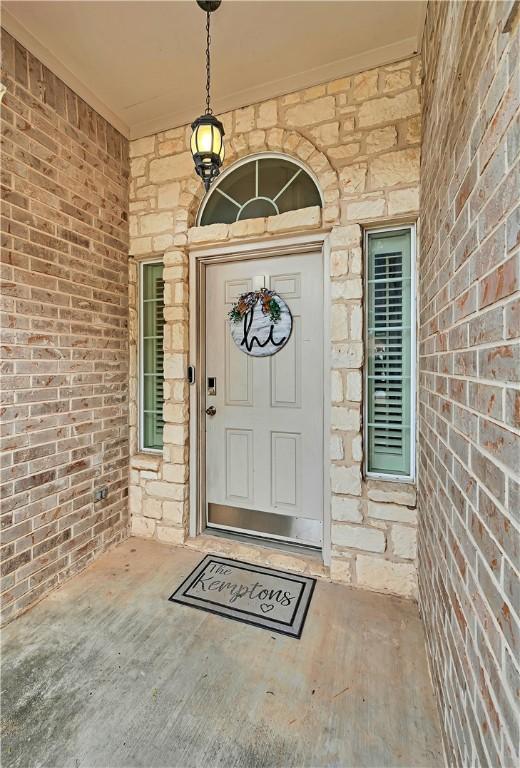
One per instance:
(379, 575)
(292, 221)
(309, 565)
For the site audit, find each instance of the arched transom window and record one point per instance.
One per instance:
(258, 187)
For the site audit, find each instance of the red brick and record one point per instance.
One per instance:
(466, 512)
(504, 281)
(500, 363)
(69, 251)
(512, 412)
(512, 319)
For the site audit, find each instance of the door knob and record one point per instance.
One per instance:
(211, 411)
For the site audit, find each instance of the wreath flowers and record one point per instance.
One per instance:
(247, 302)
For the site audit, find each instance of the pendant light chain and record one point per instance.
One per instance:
(209, 111)
(206, 143)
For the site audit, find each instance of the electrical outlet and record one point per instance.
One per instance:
(100, 494)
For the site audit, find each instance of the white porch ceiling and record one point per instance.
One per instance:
(141, 64)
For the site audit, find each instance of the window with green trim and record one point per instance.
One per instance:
(151, 356)
(389, 337)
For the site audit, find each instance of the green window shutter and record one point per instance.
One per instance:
(389, 333)
(152, 365)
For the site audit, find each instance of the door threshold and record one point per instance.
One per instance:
(265, 541)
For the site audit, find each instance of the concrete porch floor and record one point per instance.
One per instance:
(106, 672)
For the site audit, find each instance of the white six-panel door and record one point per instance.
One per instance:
(264, 443)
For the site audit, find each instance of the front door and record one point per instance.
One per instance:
(264, 415)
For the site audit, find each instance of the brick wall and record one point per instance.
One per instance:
(469, 492)
(65, 345)
(360, 137)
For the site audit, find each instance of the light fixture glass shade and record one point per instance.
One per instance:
(207, 147)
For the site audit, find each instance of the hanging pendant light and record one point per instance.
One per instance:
(207, 143)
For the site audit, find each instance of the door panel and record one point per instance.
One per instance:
(238, 379)
(264, 444)
(239, 465)
(285, 470)
(288, 286)
(286, 371)
(236, 287)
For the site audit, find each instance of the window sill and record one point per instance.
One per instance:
(146, 461)
(404, 493)
(379, 477)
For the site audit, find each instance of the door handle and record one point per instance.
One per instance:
(211, 411)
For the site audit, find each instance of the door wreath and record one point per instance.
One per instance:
(261, 322)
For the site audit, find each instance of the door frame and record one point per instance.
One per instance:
(199, 258)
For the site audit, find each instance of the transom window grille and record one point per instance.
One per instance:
(390, 335)
(260, 187)
(151, 356)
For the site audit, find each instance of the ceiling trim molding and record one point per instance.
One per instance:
(421, 26)
(20, 33)
(376, 57)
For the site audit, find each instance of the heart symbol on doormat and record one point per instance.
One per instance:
(266, 607)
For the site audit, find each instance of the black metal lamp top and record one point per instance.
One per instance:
(209, 5)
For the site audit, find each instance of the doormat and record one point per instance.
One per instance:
(264, 597)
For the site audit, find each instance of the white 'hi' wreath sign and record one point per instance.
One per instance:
(261, 323)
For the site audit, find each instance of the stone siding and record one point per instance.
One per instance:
(469, 442)
(360, 137)
(65, 343)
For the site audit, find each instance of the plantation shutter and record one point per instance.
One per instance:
(152, 356)
(389, 352)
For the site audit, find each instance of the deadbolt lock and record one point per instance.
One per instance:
(212, 385)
